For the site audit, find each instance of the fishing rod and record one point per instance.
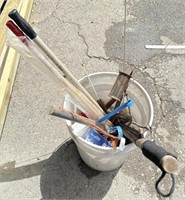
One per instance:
(28, 30)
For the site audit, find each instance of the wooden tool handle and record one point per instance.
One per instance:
(22, 24)
(159, 156)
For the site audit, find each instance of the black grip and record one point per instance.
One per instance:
(154, 152)
(22, 23)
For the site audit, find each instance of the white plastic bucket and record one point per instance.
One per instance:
(106, 158)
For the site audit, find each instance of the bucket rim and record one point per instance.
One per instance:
(149, 101)
(137, 83)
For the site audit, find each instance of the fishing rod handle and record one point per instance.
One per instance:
(23, 24)
(159, 156)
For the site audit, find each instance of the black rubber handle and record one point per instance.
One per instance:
(22, 23)
(155, 153)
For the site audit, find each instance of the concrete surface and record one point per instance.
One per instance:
(38, 159)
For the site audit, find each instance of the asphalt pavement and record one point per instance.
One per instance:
(38, 158)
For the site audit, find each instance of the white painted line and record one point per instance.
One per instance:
(165, 46)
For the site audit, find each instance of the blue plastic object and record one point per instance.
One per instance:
(116, 128)
(118, 109)
(95, 138)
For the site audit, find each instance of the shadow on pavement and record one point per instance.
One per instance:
(64, 176)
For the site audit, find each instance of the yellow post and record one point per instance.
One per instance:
(9, 58)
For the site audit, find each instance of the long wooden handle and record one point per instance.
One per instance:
(28, 30)
(78, 98)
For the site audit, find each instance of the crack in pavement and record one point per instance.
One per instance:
(52, 13)
(116, 59)
(142, 71)
(78, 27)
(158, 95)
(110, 59)
(119, 59)
(87, 46)
(148, 60)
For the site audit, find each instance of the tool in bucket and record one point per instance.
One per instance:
(166, 161)
(64, 114)
(117, 92)
(97, 128)
(117, 110)
(93, 135)
(89, 135)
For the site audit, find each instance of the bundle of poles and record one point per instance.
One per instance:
(55, 70)
(39, 55)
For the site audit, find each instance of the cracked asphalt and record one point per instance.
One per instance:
(38, 160)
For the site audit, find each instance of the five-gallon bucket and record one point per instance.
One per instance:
(100, 157)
